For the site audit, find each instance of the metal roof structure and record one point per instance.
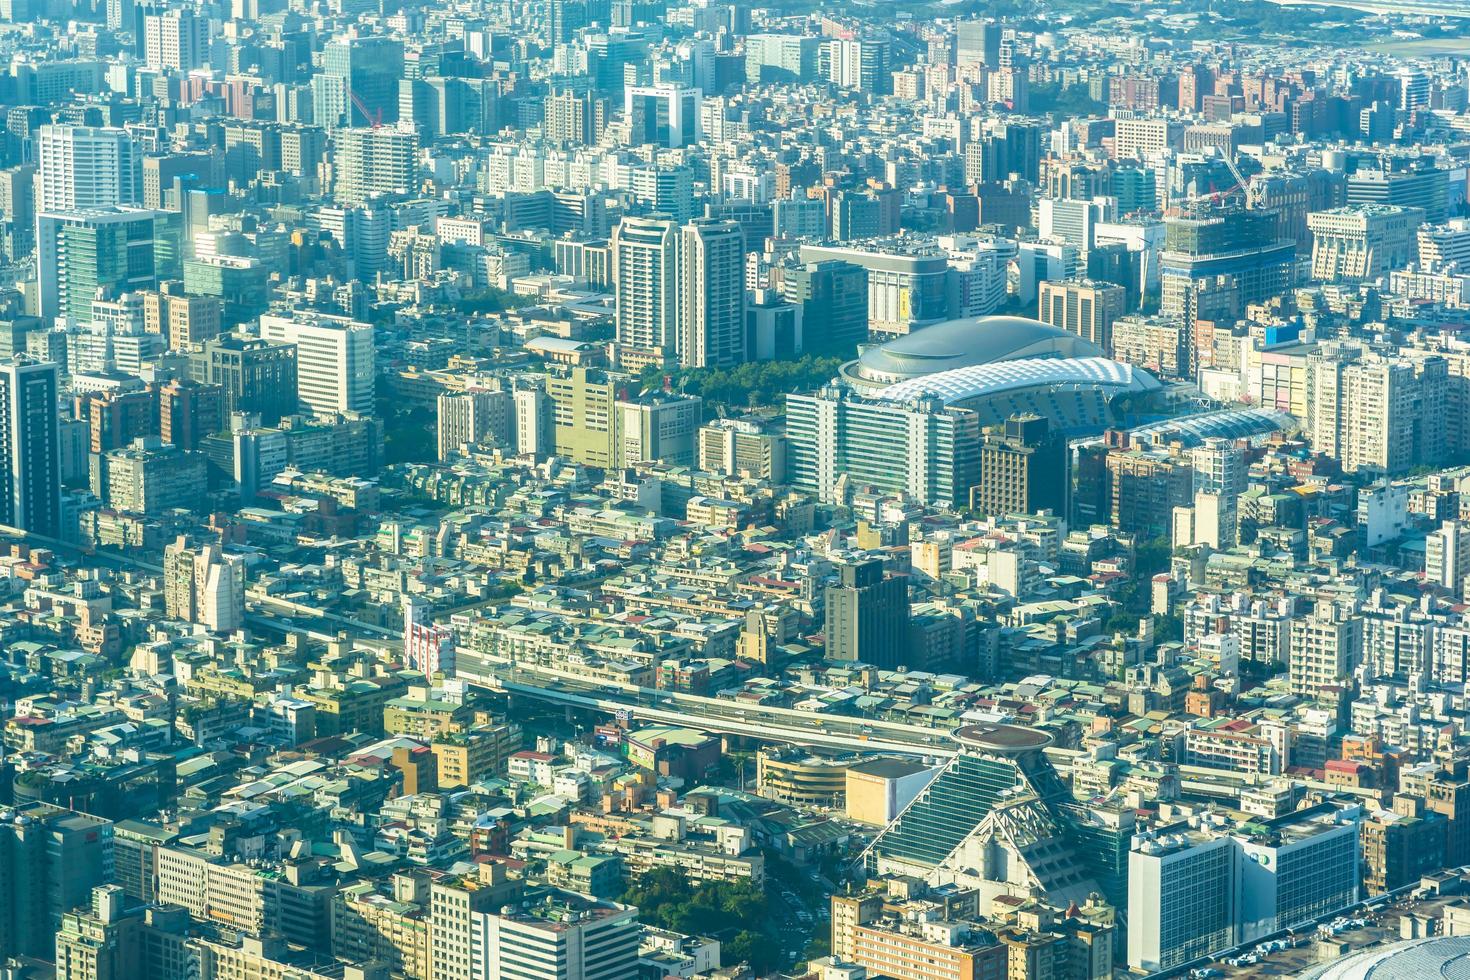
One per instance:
(977, 381)
(1191, 430)
(965, 342)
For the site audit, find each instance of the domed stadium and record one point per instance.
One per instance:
(1000, 366)
(968, 342)
(1417, 959)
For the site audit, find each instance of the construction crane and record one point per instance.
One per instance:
(374, 119)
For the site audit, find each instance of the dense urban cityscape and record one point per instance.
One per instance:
(646, 489)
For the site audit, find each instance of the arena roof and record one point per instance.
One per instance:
(963, 343)
(1417, 959)
(966, 383)
(1191, 430)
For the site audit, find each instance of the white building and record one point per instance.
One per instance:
(473, 418)
(85, 167)
(335, 360)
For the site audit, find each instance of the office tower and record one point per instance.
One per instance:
(369, 161)
(859, 64)
(833, 297)
(30, 447)
(335, 360)
(50, 859)
(17, 211)
(1408, 184)
(365, 67)
(658, 428)
(977, 42)
(181, 319)
(176, 40)
(84, 255)
(1023, 469)
(159, 174)
(477, 418)
(84, 167)
(535, 422)
(1291, 196)
(1183, 898)
(734, 447)
(585, 418)
(1234, 244)
(646, 284)
(1445, 247)
(1414, 89)
(837, 441)
(712, 314)
(1363, 242)
(781, 57)
(1085, 308)
(1325, 646)
(663, 115)
(188, 411)
(258, 376)
(567, 937)
(867, 616)
(203, 585)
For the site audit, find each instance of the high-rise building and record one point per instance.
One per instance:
(83, 253)
(1085, 308)
(977, 42)
(374, 160)
(1325, 646)
(664, 115)
(368, 67)
(30, 447)
(202, 584)
(838, 441)
(833, 296)
(1363, 242)
(658, 428)
(1377, 414)
(335, 360)
(176, 40)
(712, 313)
(1447, 556)
(742, 446)
(477, 417)
(567, 936)
(867, 616)
(585, 417)
(182, 319)
(188, 411)
(1023, 469)
(1213, 243)
(1183, 899)
(85, 167)
(258, 376)
(50, 859)
(646, 284)
(535, 422)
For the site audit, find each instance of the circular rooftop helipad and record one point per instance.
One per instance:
(1002, 739)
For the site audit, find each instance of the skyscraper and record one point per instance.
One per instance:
(30, 447)
(374, 160)
(80, 253)
(82, 167)
(176, 40)
(334, 360)
(646, 283)
(867, 616)
(712, 314)
(50, 859)
(977, 42)
(833, 296)
(258, 376)
(368, 67)
(475, 417)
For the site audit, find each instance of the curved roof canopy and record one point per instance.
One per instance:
(966, 383)
(964, 343)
